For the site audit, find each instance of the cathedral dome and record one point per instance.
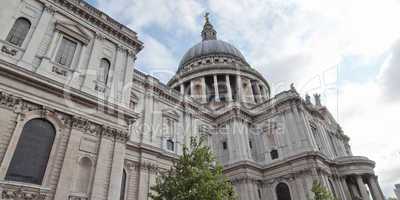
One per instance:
(215, 73)
(211, 47)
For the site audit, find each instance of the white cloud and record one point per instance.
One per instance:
(389, 75)
(371, 125)
(156, 59)
(321, 31)
(179, 15)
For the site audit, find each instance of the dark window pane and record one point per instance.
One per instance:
(170, 145)
(19, 31)
(30, 158)
(224, 145)
(283, 192)
(274, 154)
(66, 52)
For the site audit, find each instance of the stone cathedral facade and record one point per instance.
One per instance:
(78, 122)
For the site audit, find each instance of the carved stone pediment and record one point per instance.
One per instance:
(171, 114)
(74, 31)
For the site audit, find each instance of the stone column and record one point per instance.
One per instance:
(53, 45)
(192, 89)
(37, 37)
(116, 75)
(228, 86)
(127, 81)
(251, 97)
(67, 175)
(361, 186)
(182, 88)
(93, 65)
(344, 190)
(143, 182)
(216, 88)
(375, 188)
(103, 167)
(203, 90)
(258, 91)
(114, 190)
(239, 91)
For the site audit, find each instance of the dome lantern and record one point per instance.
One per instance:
(208, 32)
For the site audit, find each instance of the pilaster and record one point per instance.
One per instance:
(375, 188)
(361, 186)
(66, 179)
(114, 190)
(37, 37)
(92, 69)
(103, 167)
(116, 75)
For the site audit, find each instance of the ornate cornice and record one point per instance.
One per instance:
(58, 89)
(20, 105)
(245, 179)
(22, 192)
(99, 19)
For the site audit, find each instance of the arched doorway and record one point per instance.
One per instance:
(282, 192)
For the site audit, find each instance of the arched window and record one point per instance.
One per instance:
(170, 145)
(274, 154)
(32, 153)
(83, 176)
(19, 31)
(123, 185)
(282, 192)
(104, 69)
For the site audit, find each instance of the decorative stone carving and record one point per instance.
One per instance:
(59, 71)
(102, 21)
(50, 9)
(9, 51)
(80, 123)
(149, 166)
(100, 36)
(100, 88)
(10, 101)
(308, 99)
(317, 98)
(77, 197)
(21, 194)
(130, 165)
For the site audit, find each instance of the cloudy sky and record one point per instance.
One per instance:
(347, 50)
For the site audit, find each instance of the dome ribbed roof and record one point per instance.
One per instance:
(211, 47)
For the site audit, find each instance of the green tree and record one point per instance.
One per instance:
(320, 192)
(194, 176)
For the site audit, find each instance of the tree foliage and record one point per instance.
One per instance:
(195, 176)
(320, 192)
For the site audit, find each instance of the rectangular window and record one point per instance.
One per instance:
(170, 145)
(224, 145)
(66, 52)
